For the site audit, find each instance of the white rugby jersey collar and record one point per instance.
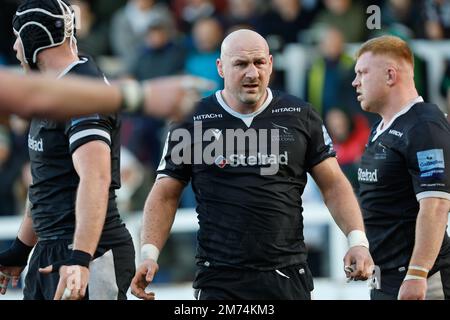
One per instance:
(380, 131)
(71, 66)
(246, 118)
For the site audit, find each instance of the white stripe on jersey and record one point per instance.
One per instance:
(162, 163)
(89, 132)
(433, 194)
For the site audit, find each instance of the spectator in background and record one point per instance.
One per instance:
(283, 23)
(130, 25)
(349, 133)
(8, 8)
(92, 36)
(437, 19)
(201, 61)
(329, 78)
(242, 13)
(346, 15)
(161, 55)
(187, 12)
(402, 15)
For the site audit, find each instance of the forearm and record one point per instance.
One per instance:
(90, 209)
(159, 214)
(26, 232)
(39, 96)
(343, 206)
(431, 227)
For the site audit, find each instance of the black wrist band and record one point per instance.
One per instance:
(21, 250)
(80, 258)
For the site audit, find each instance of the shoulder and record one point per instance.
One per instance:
(424, 113)
(283, 103)
(87, 68)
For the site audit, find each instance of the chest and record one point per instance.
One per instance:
(271, 144)
(47, 139)
(383, 162)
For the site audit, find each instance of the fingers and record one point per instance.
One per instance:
(358, 264)
(60, 290)
(140, 282)
(46, 270)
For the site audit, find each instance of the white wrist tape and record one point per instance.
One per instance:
(149, 251)
(132, 95)
(410, 277)
(416, 273)
(357, 238)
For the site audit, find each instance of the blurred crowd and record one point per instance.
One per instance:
(145, 39)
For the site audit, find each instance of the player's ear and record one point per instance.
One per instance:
(219, 67)
(391, 76)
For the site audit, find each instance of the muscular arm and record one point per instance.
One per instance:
(338, 195)
(92, 196)
(159, 211)
(430, 229)
(40, 96)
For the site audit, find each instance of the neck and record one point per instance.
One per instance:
(241, 107)
(397, 102)
(55, 60)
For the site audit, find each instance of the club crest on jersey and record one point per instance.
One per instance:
(431, 163)
(284, 135)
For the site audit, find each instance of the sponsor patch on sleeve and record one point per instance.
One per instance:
(431, 163)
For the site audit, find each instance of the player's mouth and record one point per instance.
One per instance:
(250, 86)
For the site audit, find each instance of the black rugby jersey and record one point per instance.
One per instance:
(407, 161)
(53, 191)
(249, 193)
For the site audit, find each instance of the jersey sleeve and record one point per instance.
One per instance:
(428, 160)
(320, 146)
(89, 128)
(177, 154)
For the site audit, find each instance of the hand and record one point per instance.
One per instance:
(173, 97)
(144, 275)
(73, 282)
(8, 273)
(361, 263)
(413, 290)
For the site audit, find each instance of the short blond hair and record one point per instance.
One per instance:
(391, 46)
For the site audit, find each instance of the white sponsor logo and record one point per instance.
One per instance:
(396, 133)
(236, 160)
(35, 145)
(238, 147)
(367, 176)
(287, 109)
(208, 116)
